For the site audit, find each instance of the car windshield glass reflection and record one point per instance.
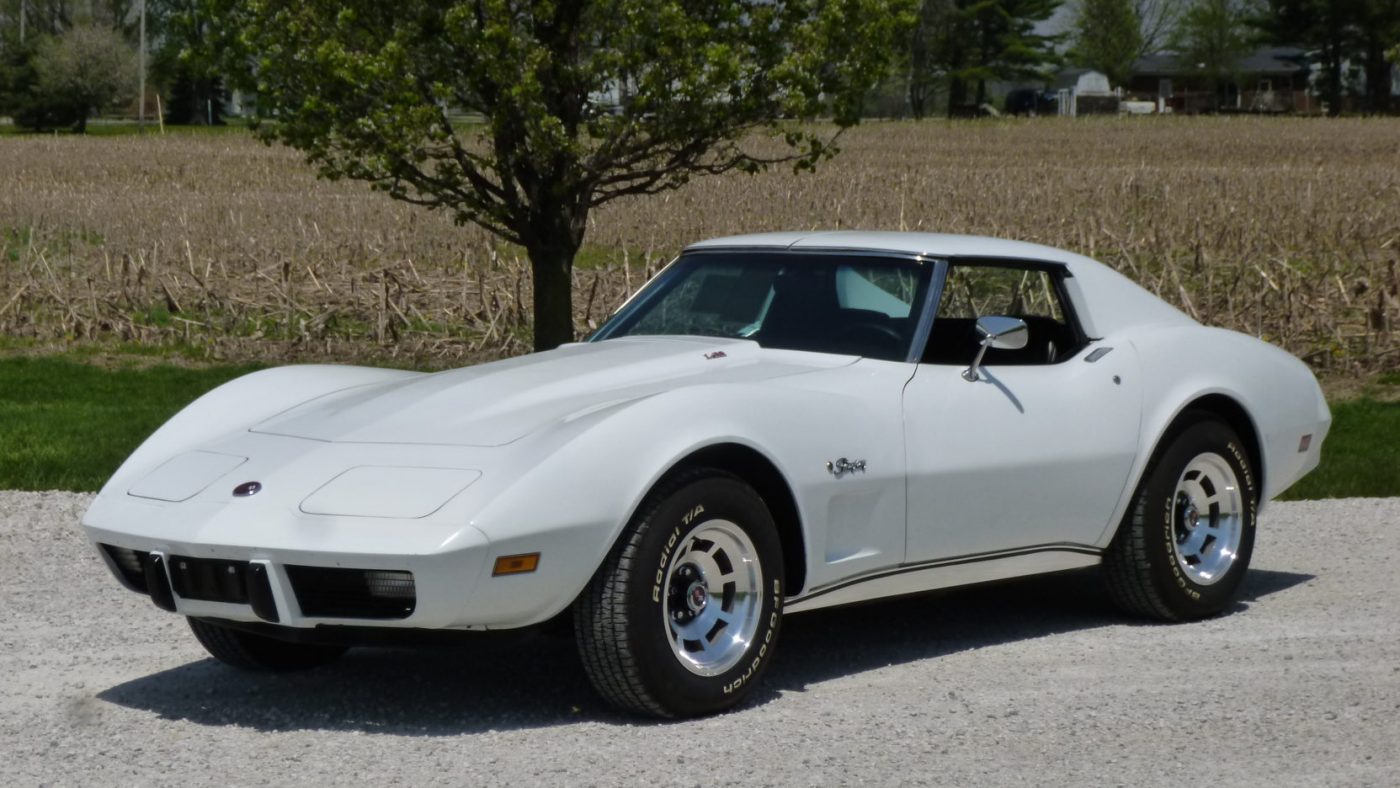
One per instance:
(863, 306)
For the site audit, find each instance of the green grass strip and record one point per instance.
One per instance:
(1361, 456)
(67, 425)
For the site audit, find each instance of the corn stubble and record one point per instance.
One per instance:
(1288, 229)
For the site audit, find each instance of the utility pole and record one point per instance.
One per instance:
(141, 67)
(21, 22)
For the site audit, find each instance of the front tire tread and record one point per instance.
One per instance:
(603, 621)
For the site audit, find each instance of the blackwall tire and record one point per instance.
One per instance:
(683, 616)
(1186, 540)
(247, 651)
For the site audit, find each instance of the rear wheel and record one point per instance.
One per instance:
(1185, 543)
(248, 651)
(683, 616)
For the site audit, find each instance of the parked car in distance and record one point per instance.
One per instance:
(774, 424)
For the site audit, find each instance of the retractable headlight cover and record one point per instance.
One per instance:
(406, 493)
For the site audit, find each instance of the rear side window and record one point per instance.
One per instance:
(1032, 294)
(977, 291)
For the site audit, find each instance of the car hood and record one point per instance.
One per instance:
(497, 403)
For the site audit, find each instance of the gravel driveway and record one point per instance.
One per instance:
(1035, 682)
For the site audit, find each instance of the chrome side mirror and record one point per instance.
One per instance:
(1000, 333)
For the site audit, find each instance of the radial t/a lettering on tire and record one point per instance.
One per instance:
(683, 616)
(1185, 543)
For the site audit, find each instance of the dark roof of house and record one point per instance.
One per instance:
(1267, 60)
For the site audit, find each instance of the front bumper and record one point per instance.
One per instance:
(267, 539)
(307, 572)
(301, 590)
(270, 591)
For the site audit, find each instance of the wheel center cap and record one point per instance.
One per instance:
(696, 597)
(1191, 516)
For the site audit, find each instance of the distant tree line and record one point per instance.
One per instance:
(1362, 34)
(63, 61)
(957, 47)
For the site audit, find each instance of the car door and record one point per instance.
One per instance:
(1036, 451)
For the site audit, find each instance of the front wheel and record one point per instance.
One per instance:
(683, 616)
(1184, 546)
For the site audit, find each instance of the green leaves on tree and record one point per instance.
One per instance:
(579, 103)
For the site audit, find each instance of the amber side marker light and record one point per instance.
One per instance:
(516, 564)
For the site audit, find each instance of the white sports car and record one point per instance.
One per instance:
(776, 423)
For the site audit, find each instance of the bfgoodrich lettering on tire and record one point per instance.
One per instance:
(683, 616)
(1186, 540)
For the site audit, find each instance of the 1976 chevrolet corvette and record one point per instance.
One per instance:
(775, 423)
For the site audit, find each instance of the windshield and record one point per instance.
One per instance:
(852, 305)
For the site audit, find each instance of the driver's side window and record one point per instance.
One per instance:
(1031, 294)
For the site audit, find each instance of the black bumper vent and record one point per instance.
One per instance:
(205, 579)
(353, 593)
(209, 579)
(128, 565)
(218, 580)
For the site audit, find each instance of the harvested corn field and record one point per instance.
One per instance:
(218, 246)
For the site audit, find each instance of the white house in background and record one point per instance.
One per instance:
(1085, 90)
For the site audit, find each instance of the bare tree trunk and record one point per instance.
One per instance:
(1377, 78)
(1332, 88)
(552, 269)
(916, 92)
(957, 95)
(554, 237)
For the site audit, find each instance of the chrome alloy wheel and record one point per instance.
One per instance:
(1207, 519)
(714, 596)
